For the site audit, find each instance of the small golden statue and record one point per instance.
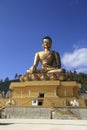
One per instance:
(51, 64)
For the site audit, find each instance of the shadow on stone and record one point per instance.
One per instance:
(6, 123)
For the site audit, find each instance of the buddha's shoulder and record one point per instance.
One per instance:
(43, 52)
(39, 52)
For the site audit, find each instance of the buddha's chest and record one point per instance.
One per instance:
(48, 56)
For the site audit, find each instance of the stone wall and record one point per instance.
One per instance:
(29, 113)
(46, 113)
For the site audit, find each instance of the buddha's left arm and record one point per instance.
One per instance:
(57, 59)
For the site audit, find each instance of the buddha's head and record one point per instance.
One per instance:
(47, 42)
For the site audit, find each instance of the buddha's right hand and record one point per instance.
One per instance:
(31, 70)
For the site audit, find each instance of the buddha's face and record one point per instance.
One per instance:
(46, 44)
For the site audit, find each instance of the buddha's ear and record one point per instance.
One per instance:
(42, 45)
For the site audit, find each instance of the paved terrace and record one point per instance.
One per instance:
(42, 124)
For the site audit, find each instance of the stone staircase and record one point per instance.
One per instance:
(63, 114)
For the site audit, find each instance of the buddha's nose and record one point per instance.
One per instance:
(46, 43)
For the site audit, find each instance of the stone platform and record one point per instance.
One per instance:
(41, 124)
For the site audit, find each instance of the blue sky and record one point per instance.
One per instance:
(23, 24)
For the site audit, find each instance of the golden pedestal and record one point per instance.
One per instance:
(45, 93)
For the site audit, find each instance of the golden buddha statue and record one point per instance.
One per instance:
(50, 61)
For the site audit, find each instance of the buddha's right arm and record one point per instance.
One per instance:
(36, 60)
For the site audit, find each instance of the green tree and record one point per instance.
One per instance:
(6, 79)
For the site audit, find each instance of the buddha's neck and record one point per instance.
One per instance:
(46, 49)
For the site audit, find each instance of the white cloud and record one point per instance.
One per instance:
(80, 44)
(76, 60)
(82, 70)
